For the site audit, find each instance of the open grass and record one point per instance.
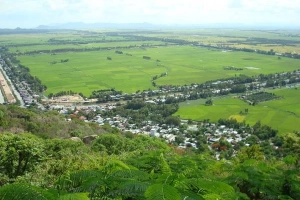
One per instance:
(282, 114)
(43, 38)
(238, 38)
(24, 49)
(88, 71)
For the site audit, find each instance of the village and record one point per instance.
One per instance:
(215, 136)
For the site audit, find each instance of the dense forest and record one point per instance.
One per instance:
(39, 160)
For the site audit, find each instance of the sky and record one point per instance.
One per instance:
(32, 13)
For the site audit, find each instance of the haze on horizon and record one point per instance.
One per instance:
(32, 13)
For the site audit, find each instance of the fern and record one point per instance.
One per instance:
(256, 179)
(204, 187)
(162, 192)
(24, 191)
(74, 180)
(189, 195)
(130, 189)
(74, 196)
(212, 197)
(131, 174)
(114, 165)
(91, 185)
(164, 166)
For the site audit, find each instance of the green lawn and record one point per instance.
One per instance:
(88, 71)
(283, 114)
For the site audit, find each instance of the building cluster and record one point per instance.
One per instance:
(212, 132)
(21, 89)
(26, 93)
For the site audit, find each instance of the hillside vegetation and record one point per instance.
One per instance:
(126, 166)
(46, 124)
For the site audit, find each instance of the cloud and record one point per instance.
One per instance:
(153, 11)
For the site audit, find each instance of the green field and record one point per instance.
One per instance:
(25, 49)
(43, 38)
(283, 114)
(88, 71)
(280, 41)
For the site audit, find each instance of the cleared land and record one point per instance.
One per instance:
(129, 72)
(5, 88)
(282, 114)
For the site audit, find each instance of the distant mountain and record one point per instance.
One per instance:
(81, 25)
(42, 27)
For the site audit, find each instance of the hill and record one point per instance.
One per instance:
(127, 166)
(45, 124)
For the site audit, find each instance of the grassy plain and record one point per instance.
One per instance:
(24, 49)
(282, 114)
(43, 38)
(88, 71)
(280, 41)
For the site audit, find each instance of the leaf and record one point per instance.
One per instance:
(129, 174)
(90, 185)
(189, 195)
(74, 180)
(75, 196)
(131, 189)
(115, 165)
(209, 186)
(164, 166)
(162, 192)
(212, 197)
(290, 160)
(24, 191)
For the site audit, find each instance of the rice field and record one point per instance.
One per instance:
(282, 114)
(129, 72)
